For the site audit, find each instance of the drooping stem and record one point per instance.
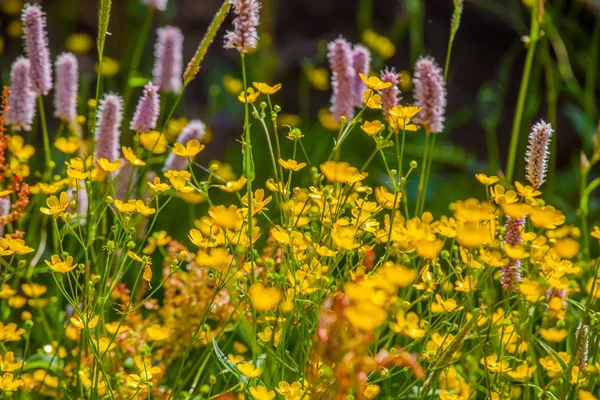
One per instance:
(514, 140)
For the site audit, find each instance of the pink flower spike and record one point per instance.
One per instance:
(36, 47)
(430, 94)
(390, 97)
(244, 36)
(65, 96)
(168, 64)
(361, 61)
(147, 110)
(537, 153)
(108, 134)
(21, 101)
(342, 78)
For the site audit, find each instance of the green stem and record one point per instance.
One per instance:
(514, 140)
(46, 139)
(427, 173)
(422, 177)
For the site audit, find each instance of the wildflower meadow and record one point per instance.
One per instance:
(341, 243)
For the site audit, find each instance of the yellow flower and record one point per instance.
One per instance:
(60, 266)
(494, 365)
(68, 145)
(526, 191)
(8, 382)
(146, 264)
(365, 316)
(596, 233)
(33, 289)
(552, 366)
(264, 298)
(157, 186)
(371, 128)
(444, 305)
(232, 85)
(585, 395)
(19, 149)
(259, 201)
(516, 210)
(546, 217)
(190, 149)
(48, 188)
(110, 67)
(399, 117)
(341, 172)
(234, 186)
(522, 372)
(327, 120)
(372, 100)
(532, 290)
(154, 141)
(55, 205)
(291, 165)
(199, 240)
(8, 363)
(250, 96)
(502, 196)
(408, 325)
(157, 332)
(371, 391)
(553, 334)
(262, 393)
(103, 345)
(380, 44)
(79, 43)
(429, 248)
(249, 370)
(318, 77)
(266, 89)
(80, 324)
(10, 333)
(131, 157)
(374, 82)
(486, 180)
(108, 166)
(141, 381)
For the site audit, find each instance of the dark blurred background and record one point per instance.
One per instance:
(483, 80)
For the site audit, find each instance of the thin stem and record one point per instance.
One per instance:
(46, 139)
(514, 140)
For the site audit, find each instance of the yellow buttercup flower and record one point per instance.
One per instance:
(108, 166)
(19, 149)
(131, 157)
(154, 141)
(249, 370)
(318, 77)
(372, 128)
(372, 100)
(158, 186)
(486, 180)
(68, 145)
(234, 186)
(56, 206)
(58, 265)
(264, 298)
(553, 334)
(399, 117)
(103, 345)
(291, 165)
(156, 332)
(444, 305)
(189, 150)
(79, 43)
(266, 89)
(374, 82)
(250, 96)
(9, 383)
(80, 323)
(10, 332)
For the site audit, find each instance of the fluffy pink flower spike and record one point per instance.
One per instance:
(36, 47)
